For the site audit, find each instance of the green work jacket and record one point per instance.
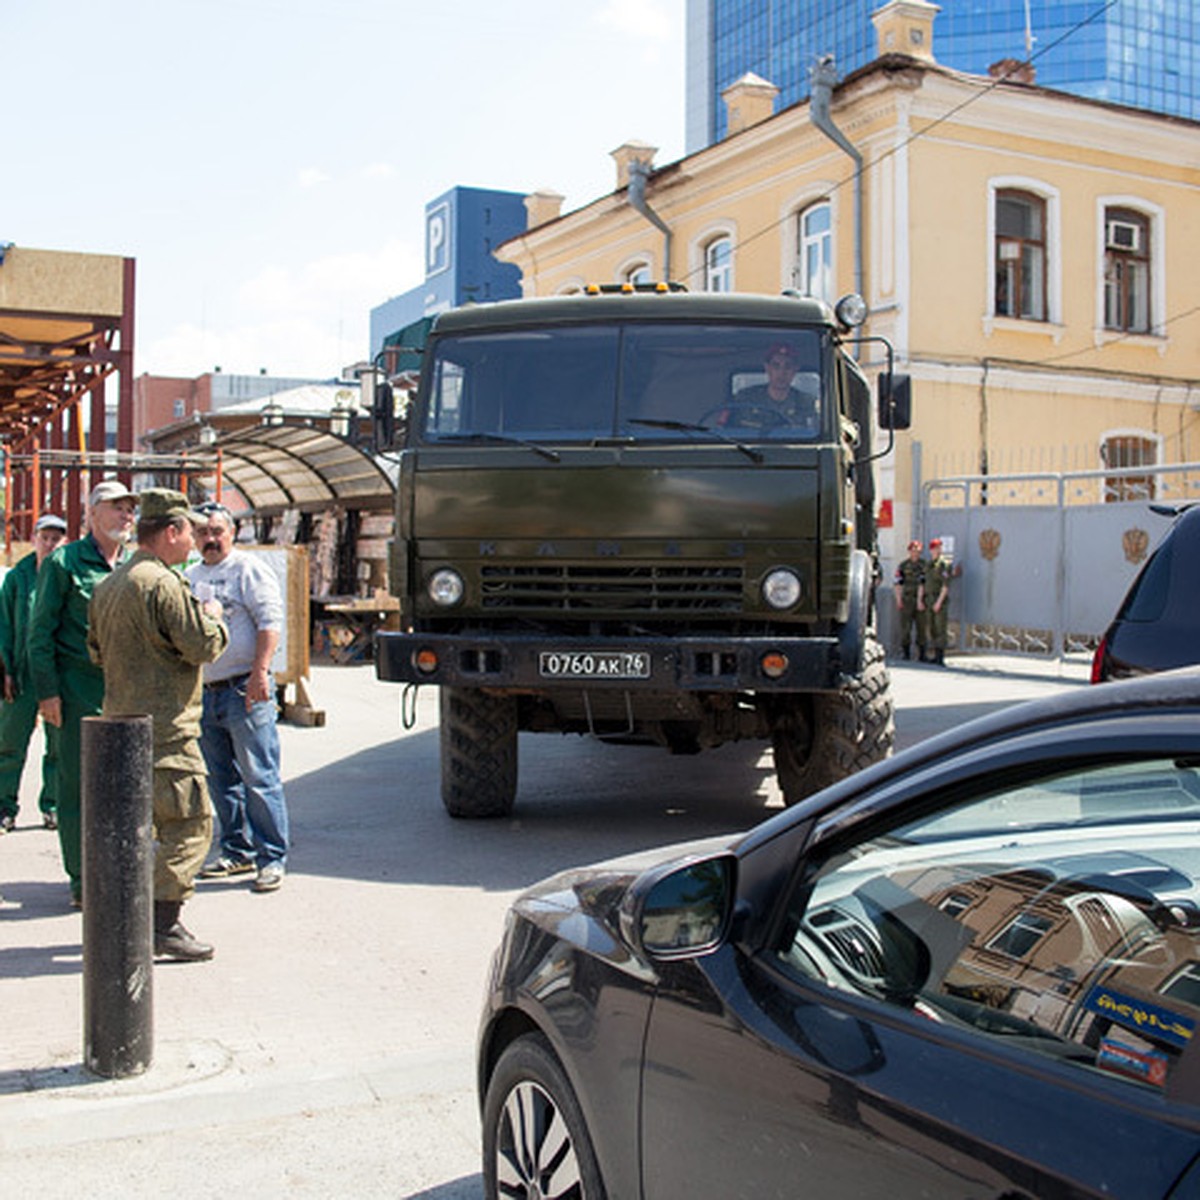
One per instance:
(16, 604)
(59, 662)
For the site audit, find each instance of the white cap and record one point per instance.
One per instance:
(110, 489)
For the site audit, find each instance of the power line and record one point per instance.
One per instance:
(934, 124)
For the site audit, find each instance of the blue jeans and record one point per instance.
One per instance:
(241, 751)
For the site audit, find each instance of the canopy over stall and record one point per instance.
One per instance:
(66, 325)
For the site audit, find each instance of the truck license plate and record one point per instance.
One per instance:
(594, 664)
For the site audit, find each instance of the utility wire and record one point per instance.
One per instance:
(941, 120)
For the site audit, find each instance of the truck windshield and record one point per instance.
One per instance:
(641, 380)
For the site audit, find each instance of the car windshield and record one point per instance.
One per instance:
(637, 381)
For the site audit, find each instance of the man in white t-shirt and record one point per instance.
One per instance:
(239, 737)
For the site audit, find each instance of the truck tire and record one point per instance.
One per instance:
(478, 752)
(847, 730)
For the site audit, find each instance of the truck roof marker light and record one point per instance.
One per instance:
(774, 665)
(627, 288)
(592, 289)
(426, 661)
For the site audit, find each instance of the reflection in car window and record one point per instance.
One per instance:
(1147, 599)
(1061, 915)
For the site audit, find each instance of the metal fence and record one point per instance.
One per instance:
(1045, 558)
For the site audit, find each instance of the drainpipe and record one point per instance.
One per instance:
(821, 82)
(639, 172)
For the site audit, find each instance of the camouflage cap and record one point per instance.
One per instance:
(160, 504)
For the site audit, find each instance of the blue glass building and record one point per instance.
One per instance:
(1142, 53)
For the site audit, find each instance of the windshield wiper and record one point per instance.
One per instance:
(689, 427)
(544, 451)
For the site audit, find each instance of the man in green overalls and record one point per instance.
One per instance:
(67, 684)
(936, 595)
(907, 584)
(18, 707)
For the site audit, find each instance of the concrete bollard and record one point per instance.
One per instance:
(118, 870)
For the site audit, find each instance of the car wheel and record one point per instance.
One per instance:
(535, 1142)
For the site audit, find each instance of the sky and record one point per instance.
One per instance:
(268, 162)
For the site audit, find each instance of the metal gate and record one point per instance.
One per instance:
(1043, 560)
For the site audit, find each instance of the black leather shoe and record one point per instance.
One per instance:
(179, 944)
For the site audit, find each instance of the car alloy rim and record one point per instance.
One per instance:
(535, 1157)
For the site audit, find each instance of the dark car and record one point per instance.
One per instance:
(1157, 626)
(970, 971)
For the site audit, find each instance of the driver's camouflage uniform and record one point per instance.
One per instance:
(753, 408)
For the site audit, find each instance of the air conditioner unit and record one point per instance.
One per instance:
(1124, 235)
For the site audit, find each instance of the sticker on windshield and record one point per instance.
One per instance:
(1150, 1020)
(1146, 1066)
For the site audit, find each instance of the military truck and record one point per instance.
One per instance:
(607, 523)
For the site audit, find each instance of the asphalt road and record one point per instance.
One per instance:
(327, 1051)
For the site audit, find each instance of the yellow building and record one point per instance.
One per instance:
(1029, 254)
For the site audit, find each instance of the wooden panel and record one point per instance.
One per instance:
(57, 281)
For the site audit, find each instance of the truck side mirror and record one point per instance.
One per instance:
(895, 401)
(383, 417)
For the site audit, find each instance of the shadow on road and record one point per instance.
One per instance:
(377, 815)
(469, 1187)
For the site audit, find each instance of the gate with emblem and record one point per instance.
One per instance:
(1043, 560)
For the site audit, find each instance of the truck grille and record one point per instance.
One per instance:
(634, 588)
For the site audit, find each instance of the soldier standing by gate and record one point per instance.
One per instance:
(937, 600)
(909, 581)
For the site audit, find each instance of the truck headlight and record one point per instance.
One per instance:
(781, 589)
(445, 587)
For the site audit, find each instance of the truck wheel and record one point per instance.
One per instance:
(849, 730)
(479, 753)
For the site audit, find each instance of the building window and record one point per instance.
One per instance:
(814, 258)
(180, 409)
(955, 904)
(1021, 935)
(638, 273)
(1020, 255)
(1122, 454)
(718, 265)
(1126, 271)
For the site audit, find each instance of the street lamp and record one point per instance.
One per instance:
(339, 417)
(207, 435)
(272, 413)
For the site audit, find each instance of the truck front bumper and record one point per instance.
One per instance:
(541, 663)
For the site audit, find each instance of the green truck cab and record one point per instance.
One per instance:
(645, 516)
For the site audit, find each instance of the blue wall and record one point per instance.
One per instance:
(462, 227)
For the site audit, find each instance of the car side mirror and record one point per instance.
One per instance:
(682, 913)
(895, 401)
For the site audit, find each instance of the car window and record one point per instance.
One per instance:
(1147, 599)
(1061, 915)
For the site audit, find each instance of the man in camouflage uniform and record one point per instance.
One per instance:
(151, 636)
(908, 582)
(936, 595)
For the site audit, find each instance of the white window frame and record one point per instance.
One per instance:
(630, 268)
(1157, 218)
(721, 273)
(800, 258)
(1051, 198)
(698, 254)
